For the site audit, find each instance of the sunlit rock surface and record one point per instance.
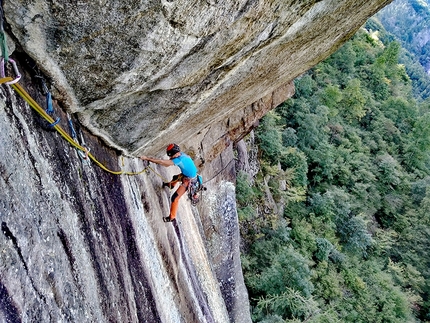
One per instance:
(78, 244)
(145, 73)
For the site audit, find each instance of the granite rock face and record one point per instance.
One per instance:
(142, 74)
(78, 244)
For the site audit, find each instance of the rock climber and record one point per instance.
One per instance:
(188, 173)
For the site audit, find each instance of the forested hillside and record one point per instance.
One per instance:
(336, 223)
(409, 22)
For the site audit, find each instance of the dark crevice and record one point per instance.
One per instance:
(92, 249)
(144, 299)
(4, 173)
(6, 231)
(66, 246)
(146, 204)
(191, 271)
(245, 8)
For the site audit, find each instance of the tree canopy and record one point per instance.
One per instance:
(336, 224)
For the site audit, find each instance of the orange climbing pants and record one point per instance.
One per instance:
(185, 182)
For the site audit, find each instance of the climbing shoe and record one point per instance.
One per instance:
(168, 219)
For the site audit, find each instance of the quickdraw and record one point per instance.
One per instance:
(83, 155)
(49, 106)
(18, 89)
(47, 114)
(15, 68)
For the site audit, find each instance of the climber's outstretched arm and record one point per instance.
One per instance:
(162, 162)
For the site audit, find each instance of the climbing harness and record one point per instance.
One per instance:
(194, 186)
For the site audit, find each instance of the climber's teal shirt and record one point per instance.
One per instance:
(186, 164)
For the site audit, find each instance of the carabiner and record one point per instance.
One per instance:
(15, 68)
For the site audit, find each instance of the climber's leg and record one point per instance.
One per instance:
(176, 196)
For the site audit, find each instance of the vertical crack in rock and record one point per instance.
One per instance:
(144, 299)
(80, 248)
(8, 234)
(191, 271)
(116, 227)
(72, 260)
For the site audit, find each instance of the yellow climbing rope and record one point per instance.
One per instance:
(18, 88)
(14, 83)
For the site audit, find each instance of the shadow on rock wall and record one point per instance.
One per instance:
(79, 244)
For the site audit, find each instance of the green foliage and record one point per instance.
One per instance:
(417, 76)
(244, 192)
(331, 96)
(354, 234)
(406, 20)
(296, 160)
(328, 282)
(402, 112)
(287, 269)
(390, 56)
(290, 304)
(375, 80)
(270, 138)
(336, 224)
(353, 102)
(324, 249)
(418, 144)
(343, 60)
(305, 86)
(420, 6)
(312, 127)
(245, 195)
(289, 137)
